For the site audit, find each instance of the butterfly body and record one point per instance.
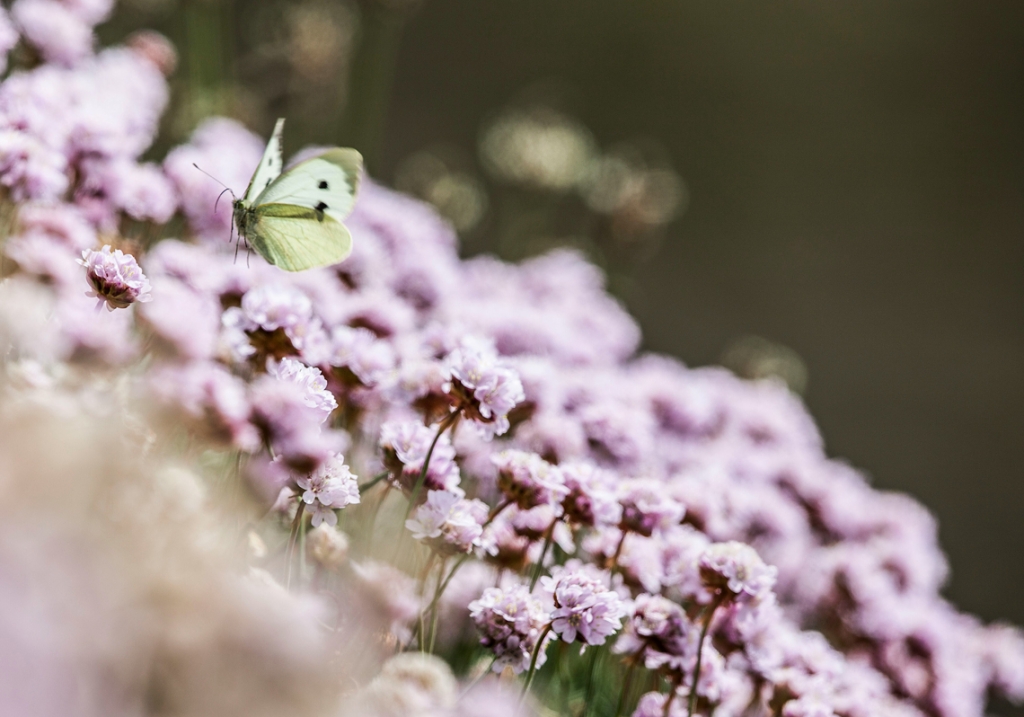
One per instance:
(293, 219)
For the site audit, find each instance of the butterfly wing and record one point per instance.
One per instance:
(296, 238)
(270, 165)
(325, 183)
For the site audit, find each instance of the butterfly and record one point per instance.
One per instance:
(293, 218)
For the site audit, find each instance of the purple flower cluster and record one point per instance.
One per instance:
(448, 522)
(116, 278)
(511, 622)
(585, 609)
(708, 501)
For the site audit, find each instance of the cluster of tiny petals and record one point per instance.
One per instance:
(331, 486)
(585, 609)
(405, 445)
(491, 388)
(276, 306)
(661, 635)
(116, 278)
(448, 522)
(527, 480)
(591, 499)
(309, 380)
(737, 569)
(647, 506)
(510, 622)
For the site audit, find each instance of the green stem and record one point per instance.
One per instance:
(627, 685)
(589, 699)
(291, 540)
(418, 488)
(700, 653)
(374, 481)
(533, 662)
(543, 553)
(438, 588)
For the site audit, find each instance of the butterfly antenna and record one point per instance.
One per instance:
(226, 187)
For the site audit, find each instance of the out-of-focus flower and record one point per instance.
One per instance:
(224, 149)
(309, 380)
(405, 445)
(757, 358)
(391, 594)
(116, 278)
(647, 506)
(528, 480)
(410, 683)
(156, 48)
(456, 193)
(591, 500)
(652, 704)
(8, 37)
(737, 570)
(327, 546)
(538, 147)
(54, 29)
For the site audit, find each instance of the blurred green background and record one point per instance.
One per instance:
(828, 191)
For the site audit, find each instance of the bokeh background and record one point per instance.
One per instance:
(828, 192)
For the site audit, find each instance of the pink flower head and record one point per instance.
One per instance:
(584, 607)
(8, 38)
(646, 506)
(659, 632)
(277, 306)
(652, 704)
(448, 522)
(528, 480)
(483, 387)
(309, 380)
(55, 30)
(332, 485)
(737, 570)
(405, 445)
(360, 351)
(511, 622)
(115, 277)
(591, 499)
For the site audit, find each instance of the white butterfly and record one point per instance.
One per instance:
(293, 220)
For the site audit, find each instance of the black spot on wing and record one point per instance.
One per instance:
(323, 184)
(320, 211)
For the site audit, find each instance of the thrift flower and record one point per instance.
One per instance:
(483, 388)
(511, 622)
(332, 485)
(528, 480)
(405, 445)
(737, 570)
(647, 507)
(115, 277)
(584, 608)
(448, 522)
(312, 384)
